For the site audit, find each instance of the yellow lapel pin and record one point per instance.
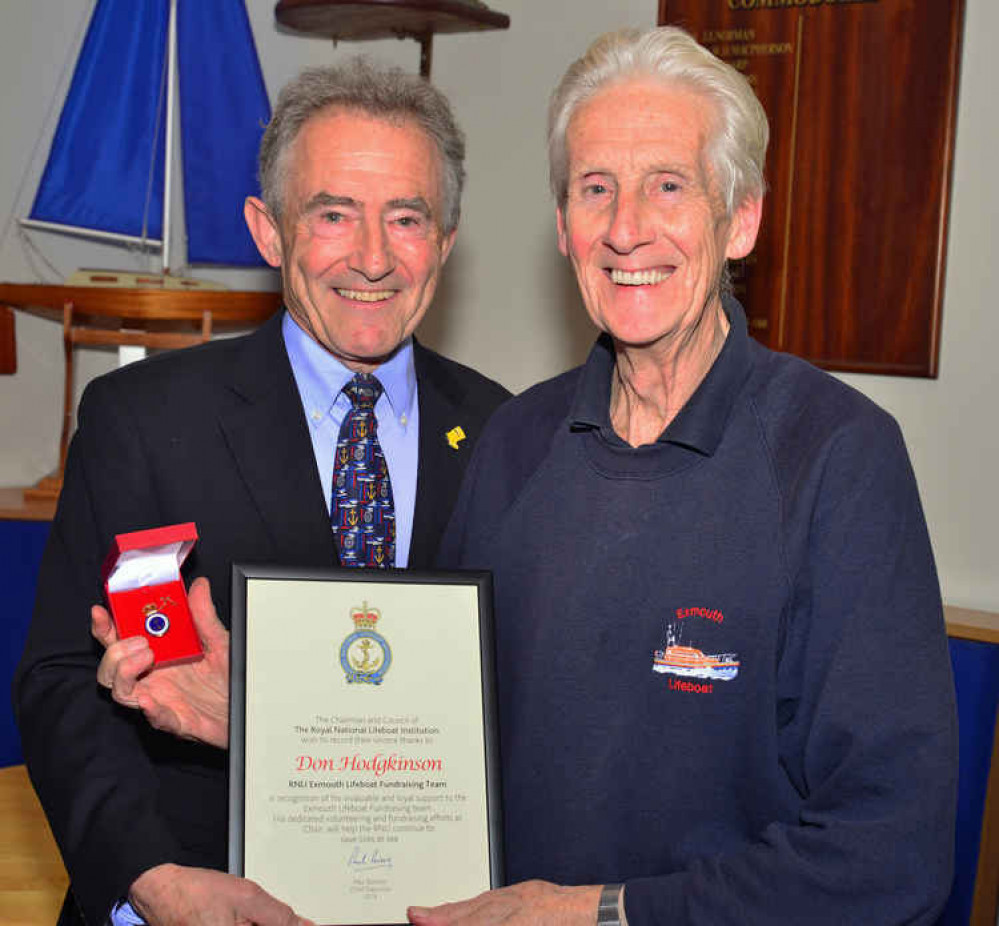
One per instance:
(454, 437)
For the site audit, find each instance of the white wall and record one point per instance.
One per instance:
(507, 304)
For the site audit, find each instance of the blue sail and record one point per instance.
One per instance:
(105, 169)
(223, 111)
(110, 134)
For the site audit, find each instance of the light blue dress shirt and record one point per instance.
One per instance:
(320, 377)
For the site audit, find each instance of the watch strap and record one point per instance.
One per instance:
(607, 906)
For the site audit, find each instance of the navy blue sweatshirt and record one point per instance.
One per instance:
(722, 665)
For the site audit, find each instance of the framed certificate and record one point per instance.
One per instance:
(363, 752)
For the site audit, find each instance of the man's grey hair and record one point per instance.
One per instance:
(738, 147)
(389, 94)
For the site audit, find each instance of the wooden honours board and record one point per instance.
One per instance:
(861, 95)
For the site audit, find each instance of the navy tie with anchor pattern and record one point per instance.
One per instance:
(363, 513)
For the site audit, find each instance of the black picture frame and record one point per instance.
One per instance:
(413, 592)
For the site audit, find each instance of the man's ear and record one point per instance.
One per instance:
(744, 228)
(264, 229)
(447, 244)
(563, 245)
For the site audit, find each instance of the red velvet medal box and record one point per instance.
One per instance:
(146, 593)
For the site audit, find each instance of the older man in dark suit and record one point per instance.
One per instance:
(361, 175)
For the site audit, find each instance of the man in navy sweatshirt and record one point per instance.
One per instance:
(725, 694)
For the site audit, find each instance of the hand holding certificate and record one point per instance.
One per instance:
(363, 772)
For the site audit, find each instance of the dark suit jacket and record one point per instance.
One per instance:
(215, 435)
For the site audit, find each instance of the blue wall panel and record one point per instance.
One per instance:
(21, 545)
(976, 679)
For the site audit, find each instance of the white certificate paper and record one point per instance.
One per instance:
(363, 757)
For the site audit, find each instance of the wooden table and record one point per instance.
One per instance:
(968, 624)
(227, 306)
(32, 877)
(14, 507)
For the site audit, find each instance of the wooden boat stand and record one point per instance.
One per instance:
(159, 319)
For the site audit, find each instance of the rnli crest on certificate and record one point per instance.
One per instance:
(365, 655)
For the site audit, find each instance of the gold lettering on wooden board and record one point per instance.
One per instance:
(860, 95)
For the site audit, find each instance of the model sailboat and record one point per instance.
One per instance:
(110, 176)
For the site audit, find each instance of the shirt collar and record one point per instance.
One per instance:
(320, 376)
(701, 422)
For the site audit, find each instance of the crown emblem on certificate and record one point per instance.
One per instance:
(365, 655)
(365, 618)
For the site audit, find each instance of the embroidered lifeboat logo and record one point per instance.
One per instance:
(678, 657)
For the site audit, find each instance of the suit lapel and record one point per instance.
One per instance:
(266, 431)
(441, 467)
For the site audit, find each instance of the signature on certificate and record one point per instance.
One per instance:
(367, 861)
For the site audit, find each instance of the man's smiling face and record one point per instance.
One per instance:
(359, 240)
(643, 223)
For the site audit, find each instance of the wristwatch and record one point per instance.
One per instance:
(607, 906)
